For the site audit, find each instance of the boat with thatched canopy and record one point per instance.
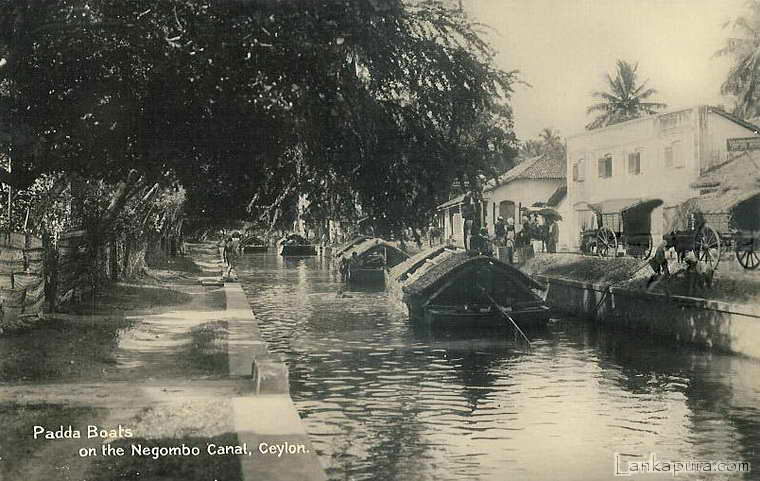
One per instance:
(350, 244)
(254, 244)
(372, 258)
(450, 287)
(296, 245)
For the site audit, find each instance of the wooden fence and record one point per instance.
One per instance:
(22, 276)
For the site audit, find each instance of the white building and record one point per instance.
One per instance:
(655, 157)
(537, 180)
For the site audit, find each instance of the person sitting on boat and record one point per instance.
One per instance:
(480, 244)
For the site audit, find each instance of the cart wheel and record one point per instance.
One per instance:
(707, 246)
(606, 242)
(749, 259)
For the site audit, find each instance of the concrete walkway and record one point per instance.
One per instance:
(238, 414)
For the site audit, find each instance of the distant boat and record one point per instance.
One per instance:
(253, 244)
(296, 245)
(373, 258)
(450, 288)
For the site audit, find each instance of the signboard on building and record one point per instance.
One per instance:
(743, 144)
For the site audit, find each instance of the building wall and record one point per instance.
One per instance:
(719, 129)
(452, 225)
(672, 148)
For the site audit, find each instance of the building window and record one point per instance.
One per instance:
(605, 166)
(578, 168)
(674, 155)
(668, 156)
(678, 157)
(634, 163)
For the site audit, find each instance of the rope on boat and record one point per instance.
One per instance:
(503, 312)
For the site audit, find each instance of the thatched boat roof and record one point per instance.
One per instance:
(366, 246)
(348, 245)
(425, 279)
(413, 263)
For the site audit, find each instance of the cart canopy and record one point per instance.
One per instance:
(615, 206)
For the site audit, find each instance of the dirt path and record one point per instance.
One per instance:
(151, 357)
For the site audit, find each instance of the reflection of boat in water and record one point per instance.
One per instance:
(296, 245)
(253, 245)
(372, 258)
(448, 287)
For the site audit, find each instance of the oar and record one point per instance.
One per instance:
(507, 316)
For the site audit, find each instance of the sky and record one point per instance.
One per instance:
(565, 48)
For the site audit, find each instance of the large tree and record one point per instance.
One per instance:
(625, 98)
(743, 80)
(249, 103)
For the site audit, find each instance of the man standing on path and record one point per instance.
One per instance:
(500, 229)
(468, 214)
(231, 253)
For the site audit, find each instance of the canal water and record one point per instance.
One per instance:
(382, 400)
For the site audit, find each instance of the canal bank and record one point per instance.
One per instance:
(616, 296)
(168, 361)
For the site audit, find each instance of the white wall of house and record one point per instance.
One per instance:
(452, 225)
(718, 129)
(671, 149)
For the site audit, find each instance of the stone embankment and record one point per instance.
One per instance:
(179, 366)
(613, 291)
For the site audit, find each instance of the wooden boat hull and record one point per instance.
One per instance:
(298, 250)
(255, 249)
(367, 276)
(443, 317)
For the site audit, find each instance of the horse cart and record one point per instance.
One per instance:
(709, 225)
(620, 223)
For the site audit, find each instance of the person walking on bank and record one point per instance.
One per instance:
(500, 229)
(231, 252)
(552, 236)
(468, 214)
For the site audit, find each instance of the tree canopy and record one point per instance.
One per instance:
(743, 80)
(548, 142)
(625, 99)
(249, 104)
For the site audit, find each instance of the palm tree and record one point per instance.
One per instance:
(743, 79)
(625, 100)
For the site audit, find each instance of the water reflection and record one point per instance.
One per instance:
(383, 400)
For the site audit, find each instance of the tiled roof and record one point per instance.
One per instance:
(450, 203)
(541, 167)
